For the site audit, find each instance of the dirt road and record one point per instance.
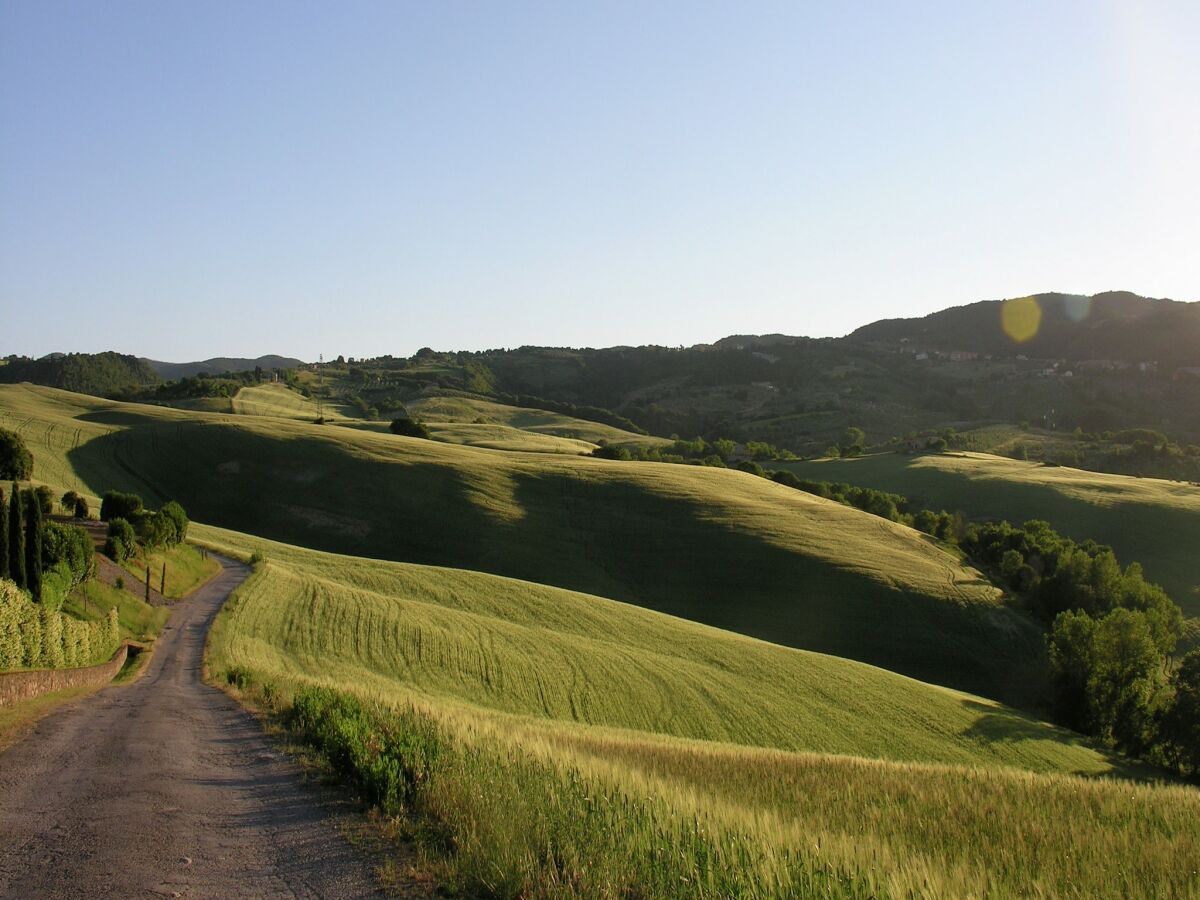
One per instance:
(167, 788)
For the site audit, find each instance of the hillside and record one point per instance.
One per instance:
(1084, 368)
(1116, 325)
(219, 364)
(716, 546)
(401, 631)
(613, 735)
(1148, 520)
(450, 418)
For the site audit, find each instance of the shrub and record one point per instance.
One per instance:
(122, 540)
(154, 529)
(34, 636)
(16, 462)
(76, 505)
(116, 505)
(56, 585)
(409, 428)
(607, 451)
(387, 760)
(71, 545)
(174, 515)
(239, 677)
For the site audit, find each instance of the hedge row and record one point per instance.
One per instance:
(33, 636)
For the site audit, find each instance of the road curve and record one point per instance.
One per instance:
(166, 787)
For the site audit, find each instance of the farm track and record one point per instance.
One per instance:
(166, 787)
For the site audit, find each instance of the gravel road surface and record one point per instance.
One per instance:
(166, 787)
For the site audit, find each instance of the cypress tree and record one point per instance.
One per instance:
(16, 538)
(33, 547)
(3, 536)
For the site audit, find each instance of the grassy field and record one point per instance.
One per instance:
(531, 650)
(1147, 520)
(599, 748)
(139, 621)
(717, 546)
(483, 423)
(186, 569)
(280, 401)
(455, 420)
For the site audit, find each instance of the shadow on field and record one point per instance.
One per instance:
(592, 528)
(1159, 536)
(999, 726)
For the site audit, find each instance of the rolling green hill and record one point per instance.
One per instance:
(399, 631)
(282, 402)
(716, 546)
(452, 419)
(1148, 520)
(482, 423)
(613, 735)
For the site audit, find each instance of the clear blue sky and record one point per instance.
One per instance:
(184, 180)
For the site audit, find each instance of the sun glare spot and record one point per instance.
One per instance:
(1021, 318)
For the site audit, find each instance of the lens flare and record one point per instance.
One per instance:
(1021, 318)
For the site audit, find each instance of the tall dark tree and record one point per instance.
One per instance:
(4, 572)
(16, 537)
(34, 524)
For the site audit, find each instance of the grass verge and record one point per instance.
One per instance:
(138, 620)
(512, 815)
(186, 569)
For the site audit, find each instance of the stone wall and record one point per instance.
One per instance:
(17, 686)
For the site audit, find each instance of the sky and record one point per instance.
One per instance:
(188, 180)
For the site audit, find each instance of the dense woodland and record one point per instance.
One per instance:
(101, 374)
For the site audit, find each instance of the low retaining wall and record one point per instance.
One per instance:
(17, 686)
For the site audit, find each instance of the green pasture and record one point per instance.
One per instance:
(719, 547)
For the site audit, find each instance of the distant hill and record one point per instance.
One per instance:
(1116, 325)
(100, 374)
(219, 364)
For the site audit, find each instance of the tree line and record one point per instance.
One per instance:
(1110, 634)
(719, 453)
